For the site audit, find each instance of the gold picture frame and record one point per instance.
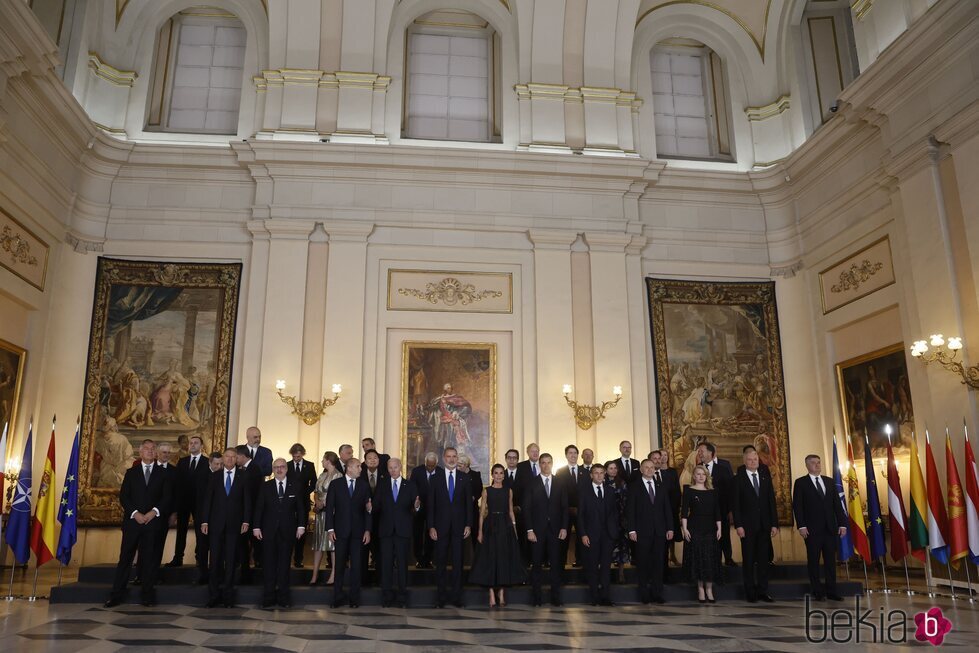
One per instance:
(13, 359)
(471, 369)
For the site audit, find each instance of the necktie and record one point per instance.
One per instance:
(754, 481)
(574, 474)
(659, 479)
(395, 489)
(601, 495)
(628, 469)
(147, 470)
(547, 487)
(652, 492)
(351, 487)
(819, 486)
(511, 476)
(282, 491)
(373, 480)
(452, 485)
(534, 465)
(227, 484)
(193, 464)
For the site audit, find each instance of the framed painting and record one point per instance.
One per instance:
(12, 361)
(718, 364)
(875, 393)
(159, 367)
(448, 399)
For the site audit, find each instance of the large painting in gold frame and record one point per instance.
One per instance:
(462, 415)
(718, 365)
(12, 361)
(159, 367)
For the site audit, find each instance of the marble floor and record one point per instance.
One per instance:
(37, 626)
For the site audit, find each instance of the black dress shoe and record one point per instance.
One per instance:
(213, 603)
(285, 604)
(659, 599)
(148, 603)
(607, 603)
(751, 599)
(595, 603)
(460, 604)
(111, 603)
(419, 565)
(439, 605)
(175, 563)
(818, 597)
(767, 598)
(834, 597)
(710, 600)
(229, 605)
(731, 563)
(337, 604)
(137, 580)
(354, 605)
(267, 604)
(557, 603)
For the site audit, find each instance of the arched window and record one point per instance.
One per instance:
(690, 101)
(198, 71)
(452, 78)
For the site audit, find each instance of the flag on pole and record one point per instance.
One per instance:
(875, 523)
(846, 542)
(918, 517)
(895, 507)
(937, 518)
(68, 510)
(971, 498)
(958, 529)
(19, 524)
(855, 512)
(3, 467)
(42, 527)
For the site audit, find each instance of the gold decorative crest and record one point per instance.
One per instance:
(851, 278)
(450, 291)
(18, 248)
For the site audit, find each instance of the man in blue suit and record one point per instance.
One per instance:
(261, 456)
(450, 521)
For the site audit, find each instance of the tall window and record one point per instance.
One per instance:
(450, 86)
(689, 101)
(830, 54)
(198, 72)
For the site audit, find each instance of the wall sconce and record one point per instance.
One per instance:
(308, 411)
(946, 353)
(586, 416)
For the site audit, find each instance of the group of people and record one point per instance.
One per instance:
(249, 509)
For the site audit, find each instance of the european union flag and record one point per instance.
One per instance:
(846, 542)
(68, 510)
(875, 524)
(18, 534)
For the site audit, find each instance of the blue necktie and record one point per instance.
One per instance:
(351, 487)
(395, 490)
(227, 484)
(452, 485)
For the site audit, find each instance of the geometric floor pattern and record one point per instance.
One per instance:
(736, 626)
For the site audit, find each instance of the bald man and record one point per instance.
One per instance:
(261, 456)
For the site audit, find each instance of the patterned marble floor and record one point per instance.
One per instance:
(28, 627)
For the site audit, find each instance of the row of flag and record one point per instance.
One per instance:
(946, 525)
(26, 533)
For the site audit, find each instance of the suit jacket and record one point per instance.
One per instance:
(382, 466)
(820, 514)
(671, 483)
(754, 513)
(382, 476)
(634, 472)
(171, 472)
(514, 485)
(220, 510)
(598, 518)
(191, 485)
(305, 480)
(721, 476)
(445, 513)
(280, 515)
(263, 460)
(394, 517)
(762, 469)
(476, 490)
(347, 515)
(525, 474)
(565, 478)
(647, 518)
(136, 494)
(543, 514)
(253, 479)
(419, 478)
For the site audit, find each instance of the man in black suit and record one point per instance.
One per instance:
(280, 519)
(628, 464)
(420, 477)
(598, 524)
(545, 510)
(225, 514)
(573, 477)
(527, 471)
(395, 503)
(375, 475)
(193, 472)
(382, 458)
(587, 460)
(145, 497)
(348, 525)
(762, 467)
(649, 521)
(303, 473)
(450, 521)
(251, 548)
(476, 490)
(756, 522)
(821, 521)
(261, 455)
(721, 475)
(511, 473)
(169, 518)
(669, 479)
(215, 463)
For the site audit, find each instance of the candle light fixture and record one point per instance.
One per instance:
(946, 353)
(586, 416)
(308, 411)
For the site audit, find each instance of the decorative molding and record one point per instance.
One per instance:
(81, 245)
(111, 74)
(786, 271)
(851, 278)
(22, 252)
(450, 291)
(616, 96)
(371, 81)
(759, 42)
(864, 272)
(445, 290)
(122, 4)
(756, 114)
(17, 247)
(861, 8)
(309, 77)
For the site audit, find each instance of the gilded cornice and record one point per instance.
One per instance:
(109, 73)
(767, 111)
(304, 77)
(861, 8)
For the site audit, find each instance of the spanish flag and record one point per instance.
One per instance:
(958, 530)
(855, 508)
(43, 539)
(917, 526)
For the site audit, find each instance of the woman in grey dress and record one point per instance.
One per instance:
(331, 471)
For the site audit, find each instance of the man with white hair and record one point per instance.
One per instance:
(279, 522)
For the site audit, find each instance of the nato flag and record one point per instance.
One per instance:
(18, 534)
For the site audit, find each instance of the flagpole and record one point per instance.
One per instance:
(907, 577)
(950, 583)
(10, 588)
(61, 570)
(33, 596)
(968, 579)
(866, 579)
(884, 576)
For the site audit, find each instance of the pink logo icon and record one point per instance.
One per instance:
(932, 626)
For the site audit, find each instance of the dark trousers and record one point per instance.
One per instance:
(371, 553)
(249, 549)
(394, 563)
(566, 542)
(224, 550)
(180, 543)
(650, 553)
(450, 544)
(142, 538)
(161, 538)
(725, 537)
(821, 544)
(348, 548)
(546, 548)
(276, 550)
(421, 541)
(298, 549)
(756, 547)
(598, 567)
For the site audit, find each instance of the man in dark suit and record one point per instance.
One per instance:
(573, 477)
(169, 518)
(545, 511)
(215, 463)
(303, 473)
(512, 482)
(450, 521)
(280, 519)
(756, 522)
(668, 479)
(587, 460)
(261, 455)
(375, 475)
(527, 471)
(529, 468)
(821, 521)
(420, 477)
(598, 524)
(145, 497)
(367, 444)
(476, 490)
(395, 504)
(762, 467)
(348, 525)
(225, 515)
(193, 472)
(649, 522)
(721, 475)
(628, 464)
(251, 549)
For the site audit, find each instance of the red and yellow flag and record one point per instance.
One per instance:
(43, 539)
(858, 530)
(958, 528)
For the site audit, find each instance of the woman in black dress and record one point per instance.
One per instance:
(497, 563)
(700, 520)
